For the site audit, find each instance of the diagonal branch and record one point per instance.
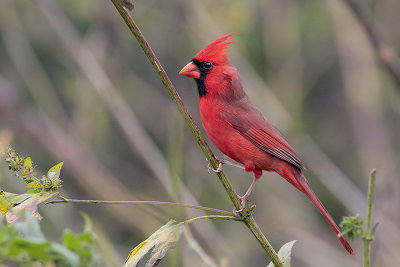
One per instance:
(248, 219)
(176, 98)
(136, 136)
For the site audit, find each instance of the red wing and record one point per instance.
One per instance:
(267, 139)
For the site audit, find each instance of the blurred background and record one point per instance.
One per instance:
(76, 87)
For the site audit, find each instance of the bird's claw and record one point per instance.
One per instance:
(243, 202)
(210, 168)
(236, 212)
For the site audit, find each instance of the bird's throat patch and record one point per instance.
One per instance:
(201, 86)
(201, 82)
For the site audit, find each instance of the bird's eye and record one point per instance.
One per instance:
(207, 65)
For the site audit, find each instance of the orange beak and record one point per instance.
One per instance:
(190, 70)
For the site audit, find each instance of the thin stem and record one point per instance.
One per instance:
(146, 202)
(213, 217)
(369, 205)
(368, 234)
(247, 217)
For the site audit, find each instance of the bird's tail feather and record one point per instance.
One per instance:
(306, 189)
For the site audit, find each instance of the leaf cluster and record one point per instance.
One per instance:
(24, 244)
(352, 226)
(12, 205)
(24, 169)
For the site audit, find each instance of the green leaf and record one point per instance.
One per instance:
(28, 163)
(10, 200)
(88, 223)
(77, 243)
(284, 254)
(5, 204)
(81, 244)
(27, 241)
(35, 185)
(30, 228)
(352, 226)
(163, 239)
(17, 198)
(7, 234)
(54, 172)
(72, 258)
(30, 205)
(24, 244)
(35, 250)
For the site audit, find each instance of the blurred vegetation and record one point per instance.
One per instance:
(76, 87)
(24, 244)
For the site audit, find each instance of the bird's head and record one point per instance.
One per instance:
(209, 62)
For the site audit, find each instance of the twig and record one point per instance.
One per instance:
(247, 218)
(68, 200)
(368, 235)
(385, 53)
(213, 217)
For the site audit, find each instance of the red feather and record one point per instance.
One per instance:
(216, 50)
(239, 129)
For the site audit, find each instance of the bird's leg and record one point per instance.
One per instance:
(248, 192)
(245, 197)
(234, 164)
(249, 167)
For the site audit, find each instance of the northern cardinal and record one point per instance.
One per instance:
(239, 130)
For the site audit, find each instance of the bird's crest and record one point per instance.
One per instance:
(215, 51)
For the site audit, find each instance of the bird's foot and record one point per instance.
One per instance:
(210, 168)
(244, 204)
(236, 212)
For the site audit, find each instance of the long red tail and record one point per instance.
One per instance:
(306, 189)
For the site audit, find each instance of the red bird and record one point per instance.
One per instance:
(240, 130)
